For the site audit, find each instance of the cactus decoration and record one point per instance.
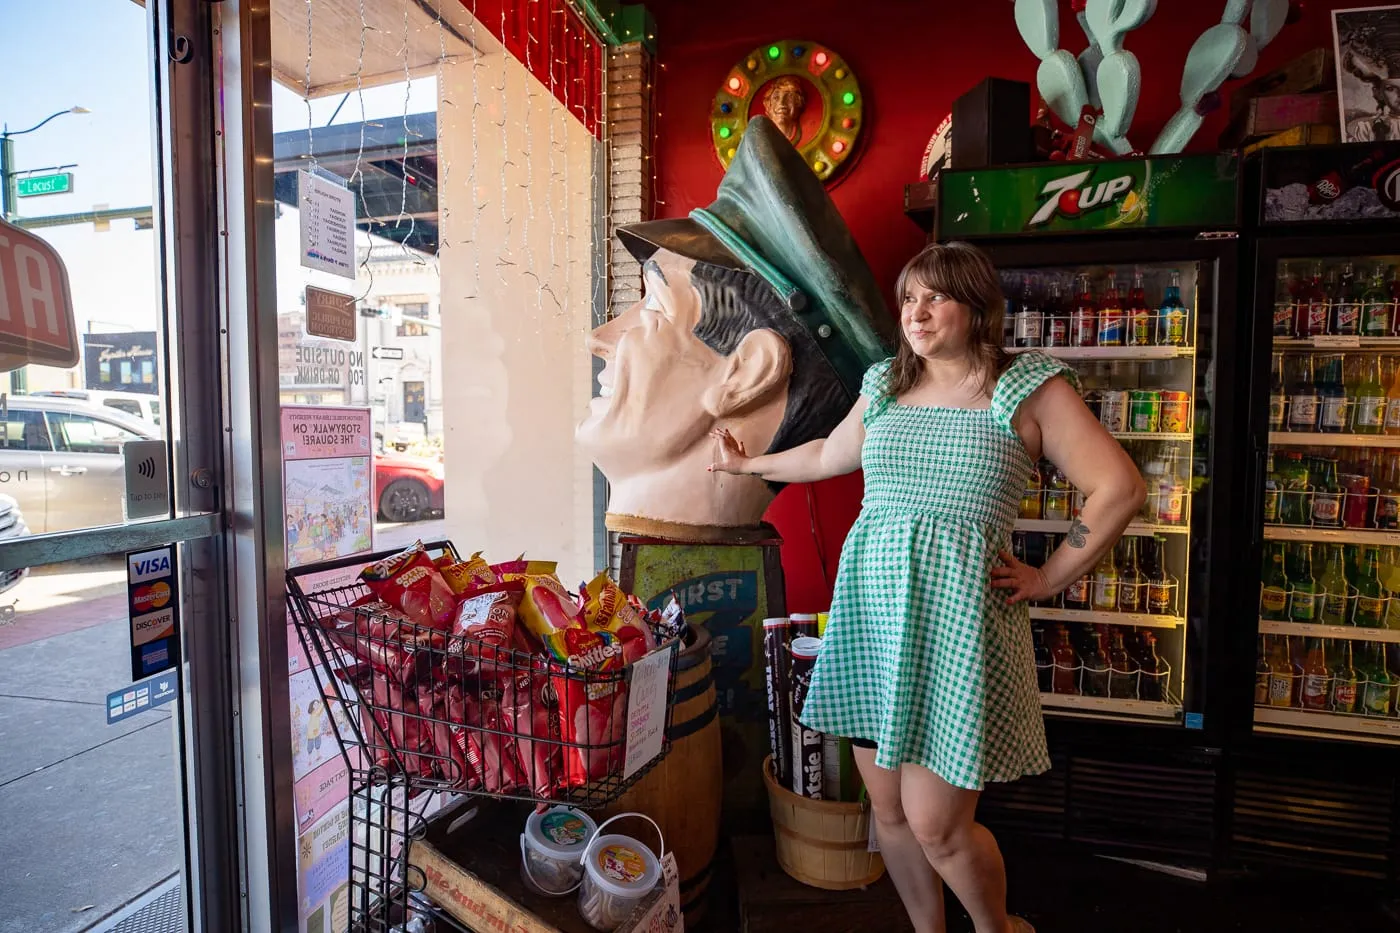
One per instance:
(1108, 78)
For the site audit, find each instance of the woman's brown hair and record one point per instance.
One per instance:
(964, 273)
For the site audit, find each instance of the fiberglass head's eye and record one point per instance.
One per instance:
(652, 303)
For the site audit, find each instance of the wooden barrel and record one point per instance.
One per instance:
(822, 843)
(683, 793)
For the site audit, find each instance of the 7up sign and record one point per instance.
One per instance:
(1110, 196)
(1071, 197)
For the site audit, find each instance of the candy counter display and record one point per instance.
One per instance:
(1115, 641)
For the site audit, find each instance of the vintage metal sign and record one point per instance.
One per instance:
(36, 307)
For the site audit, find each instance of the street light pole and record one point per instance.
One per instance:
(9, 185)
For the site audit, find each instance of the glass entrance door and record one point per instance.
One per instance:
(115, 684)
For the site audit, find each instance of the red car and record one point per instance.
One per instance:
(408, 489)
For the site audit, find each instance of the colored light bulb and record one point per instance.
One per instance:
(774, 52)
(848, 98)
(838, 147)
(725, 132)
(820, 58)
(735, 84)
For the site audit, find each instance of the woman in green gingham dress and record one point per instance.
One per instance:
(927, 662)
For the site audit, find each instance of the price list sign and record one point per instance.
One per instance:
(327, 225)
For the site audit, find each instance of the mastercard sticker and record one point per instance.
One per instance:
(151, 597)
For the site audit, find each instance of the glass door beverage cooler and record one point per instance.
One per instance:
(1326, 430)
(1126, 270)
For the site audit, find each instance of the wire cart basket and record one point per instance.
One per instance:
(429, 715)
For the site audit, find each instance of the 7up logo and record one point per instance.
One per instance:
(1064, 197)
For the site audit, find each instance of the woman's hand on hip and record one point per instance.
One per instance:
(1024, 581)
(732, 457)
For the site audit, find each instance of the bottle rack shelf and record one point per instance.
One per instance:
(1137, 529)
(1186, 438)
(1330, 535)
(1112, 353)
(1337, 342)
(1069, 702)
(1343, 632)
(1132, 619)
(1308, 439)
(1286, 719)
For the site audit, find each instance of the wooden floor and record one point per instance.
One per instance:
(1057, 893)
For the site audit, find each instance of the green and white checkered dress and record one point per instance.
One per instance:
(921, 655)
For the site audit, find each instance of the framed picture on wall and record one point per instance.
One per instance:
(1367, 41)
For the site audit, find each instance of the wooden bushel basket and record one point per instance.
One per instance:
(822, 843)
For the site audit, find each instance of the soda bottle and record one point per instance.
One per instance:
(1013, 309)
(1160, 588)
(1317, 676)
(1310, 310)
(1332, 397)
(1284, 675)
(1295, 505)
(1056, 317)
(1029, 321)
(1332, 586)
(1285, 301)
(1044, 663)
(1152, 685)
(1368, 417)
(1273, 593)
(1262, 672)
(1346, 694)
(1377, 682)
(1278, 397)
(1370, 595)
(1066, 677)
(1095, 663)
(1171, 490)
(1106, 583)
(1032, 499)
(1327, 497)
(1388, 492)
(1173, 314)
(1392, 404)
(1132, 584)
(1141, 333)
(1302, 603)
(1272, 488)
(1083, 316)
(1376, 306)
(1346, 303)
(1077, 593)
(1058, 492)
(1111, 318)
(1123, 670)
(1302, 396)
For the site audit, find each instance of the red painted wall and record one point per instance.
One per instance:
(912, 58)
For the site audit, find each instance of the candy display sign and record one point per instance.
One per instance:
(1331, 183)
(1090, 197)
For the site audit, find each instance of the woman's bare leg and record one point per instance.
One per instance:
(959, 848)
(919, 887)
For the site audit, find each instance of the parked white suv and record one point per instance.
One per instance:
(136, 404)
(61, 460)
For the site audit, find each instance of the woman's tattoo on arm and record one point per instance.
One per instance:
(1077, 531)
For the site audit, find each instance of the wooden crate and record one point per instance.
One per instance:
(473, 873)
(1314, 134)
(1311, 71)
(1265, 116)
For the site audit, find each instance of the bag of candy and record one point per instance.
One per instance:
(411, 583)
(607, 608)
(462, 576)
(485, 626)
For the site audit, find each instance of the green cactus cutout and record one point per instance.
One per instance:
(1109, 77)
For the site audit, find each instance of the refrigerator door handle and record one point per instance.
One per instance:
(1256, 483)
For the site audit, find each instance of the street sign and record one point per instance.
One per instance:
(36, 307)
(386, 353)
(33, 186)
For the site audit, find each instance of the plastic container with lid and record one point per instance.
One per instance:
(618, 873)
(551, 850)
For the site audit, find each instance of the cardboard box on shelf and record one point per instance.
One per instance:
(1265, 116)
(1313, 134)
(1311, 71)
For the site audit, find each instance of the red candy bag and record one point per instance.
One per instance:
(410, 582)
(532, 716)
(607, 608)
(485, 626)
(466, 575)
(589, 708)
(379, 635)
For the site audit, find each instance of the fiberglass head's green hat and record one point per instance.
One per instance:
(772, 216)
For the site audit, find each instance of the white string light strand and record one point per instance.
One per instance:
(403, 159)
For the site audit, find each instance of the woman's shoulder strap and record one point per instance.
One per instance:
(1027, 372)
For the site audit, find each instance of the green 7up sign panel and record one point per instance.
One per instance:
(1090, 197)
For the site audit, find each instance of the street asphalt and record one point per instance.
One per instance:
(90, 814)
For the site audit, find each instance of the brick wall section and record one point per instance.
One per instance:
(630, 125)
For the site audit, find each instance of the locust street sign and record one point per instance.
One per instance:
(32, 186)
